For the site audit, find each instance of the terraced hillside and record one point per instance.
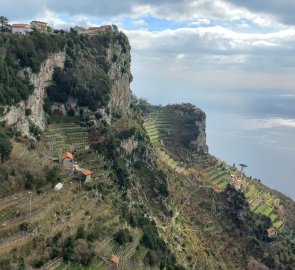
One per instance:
(60, 138)
(219, 177)
(160, 124)
(163, 123)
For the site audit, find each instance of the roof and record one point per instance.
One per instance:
(216, 187)
(19, 25)
(271, 230)
(115, 259)
(38, 22)
(58, 186)
(87, 172)
(67, 155)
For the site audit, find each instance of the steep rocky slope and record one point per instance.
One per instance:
(156, 200)
(16, 115)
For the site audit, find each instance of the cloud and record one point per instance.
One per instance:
(210, 58)
(180, 10)
(282, 9)
(25, 10)
(266, 123)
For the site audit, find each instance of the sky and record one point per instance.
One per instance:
(196, 44)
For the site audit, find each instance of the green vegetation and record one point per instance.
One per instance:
(66, 137)
(123, 236)
(5, 147)
(4, 25)
(19, 52)
(85, 75)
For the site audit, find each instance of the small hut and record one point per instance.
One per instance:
(58, 186)
(271, 232)
(66, 161)
(115, 260)
(87, 175)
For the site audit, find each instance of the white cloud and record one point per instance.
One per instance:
(266, 123)
(140, 22)
(180, 56)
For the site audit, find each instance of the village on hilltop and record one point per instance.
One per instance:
(25, 29)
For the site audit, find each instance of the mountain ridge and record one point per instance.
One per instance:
(157, 198)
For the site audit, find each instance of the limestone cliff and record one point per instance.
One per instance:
(191, 127)
(16, 115)
(120, 77)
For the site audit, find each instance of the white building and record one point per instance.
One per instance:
(21, 29)
(58, 186)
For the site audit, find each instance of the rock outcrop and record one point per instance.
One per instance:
(190, 127)
(16, 115)
(120, 77)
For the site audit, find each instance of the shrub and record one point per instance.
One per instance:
(123, 236)
(5, 147)
(28, 112)
(163, 189)
(71, 113)
(35, 130)
(24, 227)
(81, 234)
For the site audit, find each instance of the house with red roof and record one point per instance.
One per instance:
(21, 29)
(271, 232)
(216, 188)
(115, 261)
(66, 161)
(95, 30)
(87, 175)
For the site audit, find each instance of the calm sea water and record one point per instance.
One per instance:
(254, 127)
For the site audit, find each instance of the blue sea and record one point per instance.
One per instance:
(254, 127)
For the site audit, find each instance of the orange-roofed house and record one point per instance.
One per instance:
(87, 175)
(95, 30)
(66, 161)
(217, 188)
(271, 232)
(21, 29)
(115, 260)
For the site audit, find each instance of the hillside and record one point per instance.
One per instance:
(156, 199)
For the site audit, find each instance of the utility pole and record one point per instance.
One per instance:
(30, 207)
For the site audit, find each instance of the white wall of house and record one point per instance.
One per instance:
(21, 30)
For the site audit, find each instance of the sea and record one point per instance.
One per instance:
(253, 127)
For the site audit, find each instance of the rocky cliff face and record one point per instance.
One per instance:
(181, 126)
(16, 115)
(120, 77)
(192, 123)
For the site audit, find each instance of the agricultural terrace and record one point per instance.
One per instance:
(260, 201)
(263, 203)
(160, 124)
(70, 137)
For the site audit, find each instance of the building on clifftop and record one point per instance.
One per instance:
(21, 29)
(40, 26)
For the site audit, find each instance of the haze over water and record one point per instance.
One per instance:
(255, 127)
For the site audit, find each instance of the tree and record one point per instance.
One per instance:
(5, 147)
(123, 236)
(4, 26)
(243, 166)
